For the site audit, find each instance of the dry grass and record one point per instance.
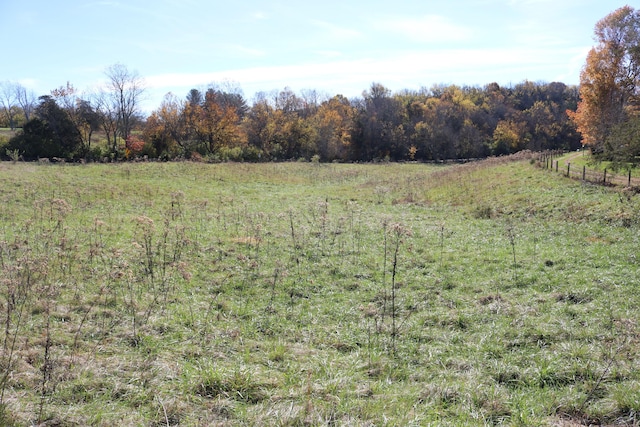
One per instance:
(289, 294)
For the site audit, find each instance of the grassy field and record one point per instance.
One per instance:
(491, 293)
(582, 165)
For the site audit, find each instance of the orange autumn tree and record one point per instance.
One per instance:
(166, 128)
(333, 122)
(609, 82)
(214, 124)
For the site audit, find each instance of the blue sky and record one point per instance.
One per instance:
(333, 46)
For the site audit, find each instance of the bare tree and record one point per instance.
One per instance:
(108, 118)
(287, 101)
(27, 100)
(126, 91)
(8, 102)
(310, 101)
(80, 111)
(13, 98)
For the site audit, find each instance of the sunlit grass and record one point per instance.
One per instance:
(267, 294)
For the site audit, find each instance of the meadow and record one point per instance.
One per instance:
(290, 294)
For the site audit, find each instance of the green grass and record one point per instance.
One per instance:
(581, 165)
(492, 293)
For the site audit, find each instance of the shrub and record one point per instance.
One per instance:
(134, 147)
(4, 143)
(238, 154)
(233, 154)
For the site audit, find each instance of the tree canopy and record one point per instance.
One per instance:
(218, 123)
(609, 88)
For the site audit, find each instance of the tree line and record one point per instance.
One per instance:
(442, 122)
(217, 123)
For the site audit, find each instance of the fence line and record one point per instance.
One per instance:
(548, 160)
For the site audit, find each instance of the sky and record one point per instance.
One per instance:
(331, 46)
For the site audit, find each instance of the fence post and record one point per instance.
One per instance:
(568, 166)
(604, 180)
(557, 162)
(629, 184)
(584, 173)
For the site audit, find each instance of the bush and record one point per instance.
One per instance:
(95, 154)
(252, 154)
(51, 134)
(237, 154)
(134, 147)
(233, 154)
(148, 150)
(4, 143)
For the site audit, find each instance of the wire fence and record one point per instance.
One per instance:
(550, 160)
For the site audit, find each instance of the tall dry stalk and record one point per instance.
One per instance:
(511, 235)
(47, 362)
(295, 244)
(16, 303)
(398, 233)
(393, 239)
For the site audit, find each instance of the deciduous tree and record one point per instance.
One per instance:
(8, 102)
(26, 99)
(610, 79)
(125, 90)
(108, 118)
(333, 122)
(378, 127)
(167, 126)
(214, 123)
(80, 112)
(510, 136)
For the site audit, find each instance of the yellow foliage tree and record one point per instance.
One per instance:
(609, 81)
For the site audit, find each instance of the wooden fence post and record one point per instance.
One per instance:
(584, 173)
(629, 184)
(604, 180)
(557, 164)
(568, 166)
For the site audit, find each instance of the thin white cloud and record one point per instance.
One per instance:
(427, 28)
(181, 3)
(245, 51)
(574, 65)
(529, 34)
(403, 70)
(102, 3)
(259, 16)
(329, 54)
(336, 32)
(546, 9)
(29, 83)
(529, 2)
